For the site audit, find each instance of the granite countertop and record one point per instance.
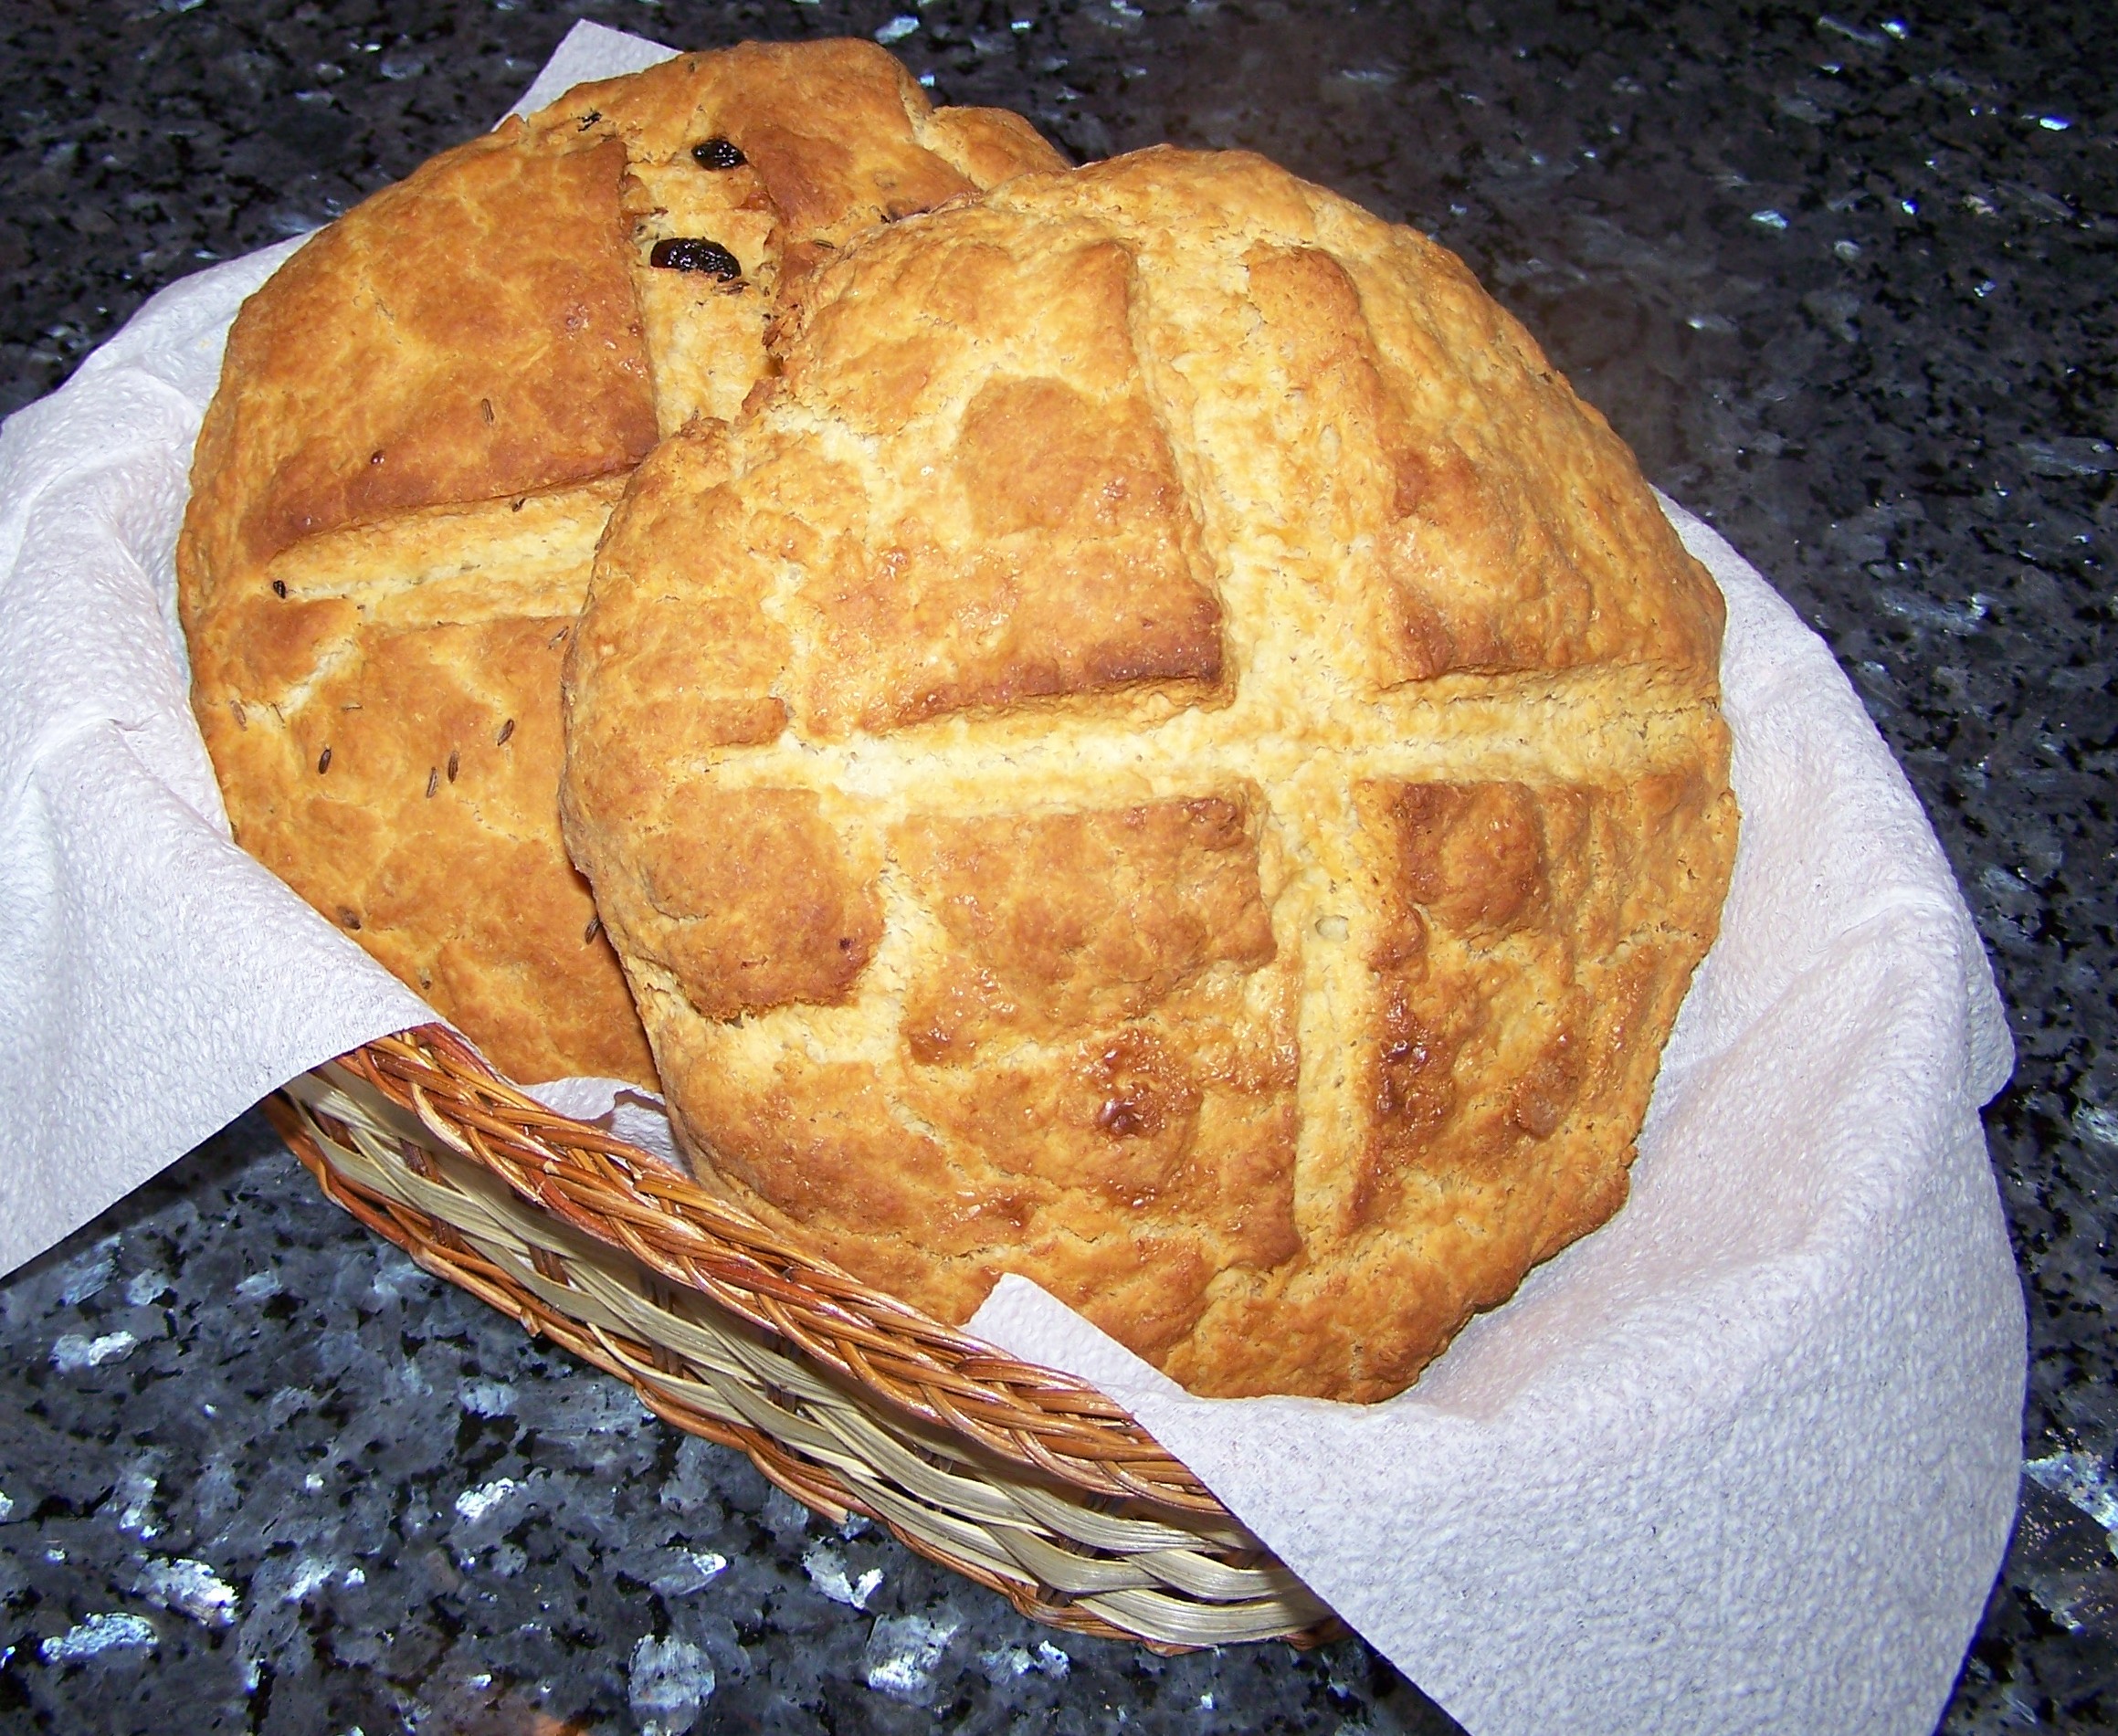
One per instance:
(1844, 281)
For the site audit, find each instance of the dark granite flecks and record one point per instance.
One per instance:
(1845, 279)
(306, 1487)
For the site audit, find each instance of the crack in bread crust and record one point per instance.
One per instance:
(1259, 744)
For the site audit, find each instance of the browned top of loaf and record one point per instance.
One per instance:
(1171, 754)
(423, 420)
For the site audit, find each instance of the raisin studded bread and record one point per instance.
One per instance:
(423, 421)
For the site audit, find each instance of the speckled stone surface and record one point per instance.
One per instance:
(1845, 280)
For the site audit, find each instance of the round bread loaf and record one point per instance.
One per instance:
(1171, 755)
(423, 420)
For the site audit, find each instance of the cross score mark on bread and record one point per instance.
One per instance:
(1166, 752)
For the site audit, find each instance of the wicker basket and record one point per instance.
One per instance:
(1020, 1477)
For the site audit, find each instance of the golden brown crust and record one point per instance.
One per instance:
(423, 421)
(1055, 921)
(484, 306)
(752, 901)
(1249, 718)
(988, 146)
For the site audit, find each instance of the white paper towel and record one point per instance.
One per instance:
(156, 979)
(1743, 1461)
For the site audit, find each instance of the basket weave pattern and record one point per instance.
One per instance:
(1020, 1477)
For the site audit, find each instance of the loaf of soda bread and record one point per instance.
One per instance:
(423, 421)
(1167, 752)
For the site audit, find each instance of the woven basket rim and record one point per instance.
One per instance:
(621, 1195)
(1171, 1581)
